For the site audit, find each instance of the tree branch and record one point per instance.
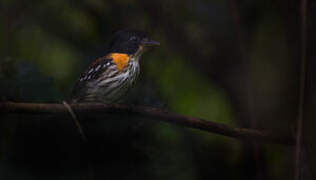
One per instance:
(150, 113)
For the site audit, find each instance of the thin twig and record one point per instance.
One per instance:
(150, 113)
(300, 113)
(243, 49)
(77, 123)
(240, 34)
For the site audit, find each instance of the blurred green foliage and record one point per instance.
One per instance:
(23, 82)
(202, 69)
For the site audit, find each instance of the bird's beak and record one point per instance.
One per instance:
(149, 42)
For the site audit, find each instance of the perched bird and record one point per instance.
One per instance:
(109, 77)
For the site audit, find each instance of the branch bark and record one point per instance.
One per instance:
(150, 113)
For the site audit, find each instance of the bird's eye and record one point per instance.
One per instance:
(133, 38)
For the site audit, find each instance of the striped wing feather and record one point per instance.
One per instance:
(95, 70)
(104, 81)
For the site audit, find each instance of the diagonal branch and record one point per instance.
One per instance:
(150, 113)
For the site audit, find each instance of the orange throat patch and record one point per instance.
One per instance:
(120, 59)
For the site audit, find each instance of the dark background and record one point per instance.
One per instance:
(227, 61)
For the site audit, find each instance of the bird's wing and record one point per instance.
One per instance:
(95, 69)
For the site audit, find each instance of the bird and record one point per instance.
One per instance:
(109, 77)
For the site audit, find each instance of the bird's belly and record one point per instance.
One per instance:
(111, 90)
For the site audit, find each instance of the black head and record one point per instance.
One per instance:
(129, 41)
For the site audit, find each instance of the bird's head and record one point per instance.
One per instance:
(131, 42)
